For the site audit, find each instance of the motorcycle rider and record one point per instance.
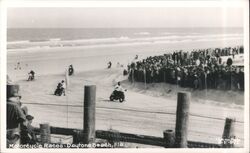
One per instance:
(118, 93)
(31, 75)
(63, 87)
(71, 70)
(60, 88)
(118, 89)
(109, 64)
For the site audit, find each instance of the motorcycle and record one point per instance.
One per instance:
(31, 77)
(59, 90)
(117, 95)
(71, 71)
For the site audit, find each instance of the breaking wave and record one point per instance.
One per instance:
(58, 42)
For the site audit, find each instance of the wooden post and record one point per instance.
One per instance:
(77, 136)
(45, 133)
(169, 138)
(228, 133)
(114, 138)
(89, 114)
(182, 116)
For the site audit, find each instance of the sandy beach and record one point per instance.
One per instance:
(145, 111)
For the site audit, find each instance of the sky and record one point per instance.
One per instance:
(124, 17)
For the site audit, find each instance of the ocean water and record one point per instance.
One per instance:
(51, 38)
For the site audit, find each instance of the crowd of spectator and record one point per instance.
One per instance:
(197, 69)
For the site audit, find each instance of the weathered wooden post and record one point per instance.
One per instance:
(45, 133)
(228, 136)
(182, 117)
(77, 136)
(114, 138)
(89, 114)
(169, 138)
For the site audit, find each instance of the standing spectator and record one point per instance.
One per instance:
(15, 117)
(241, 79)
(9, 81)
(196, 82)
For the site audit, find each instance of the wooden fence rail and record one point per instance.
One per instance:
(124, 137)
